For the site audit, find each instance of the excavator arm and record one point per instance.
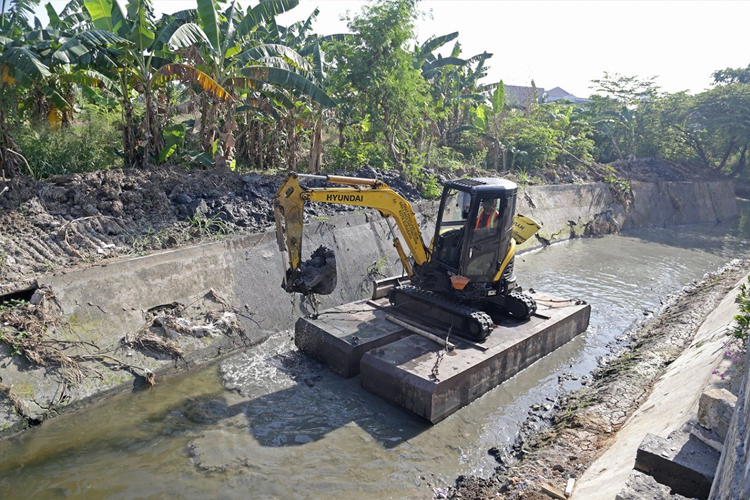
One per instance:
(370, 193)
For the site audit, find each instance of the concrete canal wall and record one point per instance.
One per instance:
(732, 479)
(107, 306)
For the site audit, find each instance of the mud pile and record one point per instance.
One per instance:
(79, 219)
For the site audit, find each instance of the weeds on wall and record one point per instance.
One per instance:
(736, 348)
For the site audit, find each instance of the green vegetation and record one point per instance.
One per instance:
(225, 86)
(735, 349)
(742, 321)
(85, 146)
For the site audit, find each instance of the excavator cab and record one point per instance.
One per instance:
(473, 231)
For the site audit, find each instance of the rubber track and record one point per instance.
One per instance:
(469, 314)
(529, 302)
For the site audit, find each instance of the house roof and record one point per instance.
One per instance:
(558, 93)
(521, 94)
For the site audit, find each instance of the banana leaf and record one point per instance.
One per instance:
(209, 19)
(25, 63)
(290, 80)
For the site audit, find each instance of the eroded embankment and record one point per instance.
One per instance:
(124, 321)
(585, 422)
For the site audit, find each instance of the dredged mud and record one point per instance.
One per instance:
(79, 219)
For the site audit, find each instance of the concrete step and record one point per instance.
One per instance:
(418, 374)
(681, 461)
(640, 486)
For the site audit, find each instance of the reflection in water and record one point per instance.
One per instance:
(283, 426)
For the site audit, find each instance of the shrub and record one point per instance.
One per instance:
(736, 348)
(353, 156)
(88, 145)
(742, 320)
(447, 159)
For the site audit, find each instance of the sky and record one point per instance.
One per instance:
(568, 43)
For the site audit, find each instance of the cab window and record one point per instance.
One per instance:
(456, 209)
(488, 218)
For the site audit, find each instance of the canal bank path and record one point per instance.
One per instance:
(671, 404)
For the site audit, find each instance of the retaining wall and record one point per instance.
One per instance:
(732, 479)
(106, 302)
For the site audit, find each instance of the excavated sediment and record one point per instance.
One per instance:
(75, 220)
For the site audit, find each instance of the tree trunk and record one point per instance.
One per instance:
(316, 146)
(9, 162)
(203, 133)
(128, 130)
(742, 161)
(617, 148)
(728, 152)
(261, 148)
(694, 143)
(228, 141)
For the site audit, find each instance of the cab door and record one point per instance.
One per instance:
(447, 243)
(487, 232)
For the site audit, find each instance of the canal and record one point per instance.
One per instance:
(269, 423)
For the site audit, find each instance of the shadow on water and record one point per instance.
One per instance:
(313, 403)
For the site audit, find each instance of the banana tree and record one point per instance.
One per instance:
(487, 118)
(613, 124)
(143, 65)
(236, 52)
(16, 63)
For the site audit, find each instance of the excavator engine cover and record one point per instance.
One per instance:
(315, 275)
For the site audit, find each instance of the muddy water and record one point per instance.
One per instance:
(270, 423)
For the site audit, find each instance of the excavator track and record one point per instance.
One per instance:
(519, 305)
(463, 320)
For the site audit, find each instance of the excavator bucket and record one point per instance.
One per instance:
(315, 275)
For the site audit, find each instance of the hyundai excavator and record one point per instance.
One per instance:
(462, 280)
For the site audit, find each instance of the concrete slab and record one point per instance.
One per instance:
(416, 374)
(640, 486)
(340, 336)
(682, 462)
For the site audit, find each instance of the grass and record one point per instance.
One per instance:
(196, 229)
(86, 146)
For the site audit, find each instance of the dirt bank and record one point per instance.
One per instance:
(80, 219)
(583, 423)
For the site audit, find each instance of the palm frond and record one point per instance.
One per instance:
(289, 79)
(25, 63)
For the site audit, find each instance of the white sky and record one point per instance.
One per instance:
(569, 43)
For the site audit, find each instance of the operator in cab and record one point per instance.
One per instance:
(487, 216)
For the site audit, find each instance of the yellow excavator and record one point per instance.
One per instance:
(462, 280)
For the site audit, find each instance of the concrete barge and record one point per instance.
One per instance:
(419, 374)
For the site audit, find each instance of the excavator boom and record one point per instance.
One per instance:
(371, 193)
